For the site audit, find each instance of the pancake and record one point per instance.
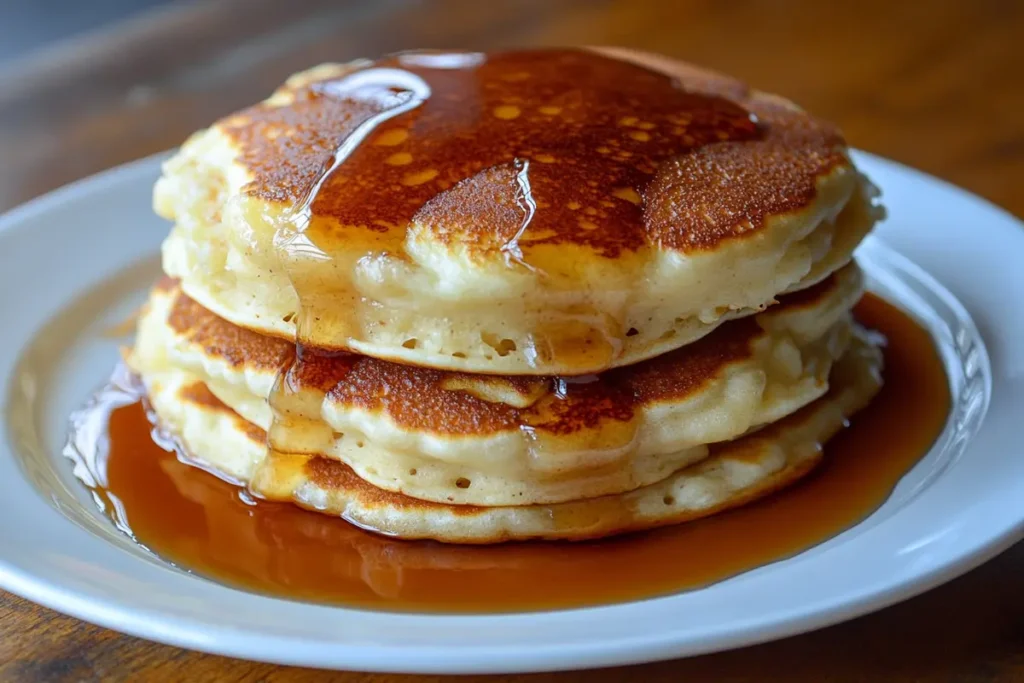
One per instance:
(735, 472)
(492, 440)
(546, 212)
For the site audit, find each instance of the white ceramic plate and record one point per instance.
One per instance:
(85, 254)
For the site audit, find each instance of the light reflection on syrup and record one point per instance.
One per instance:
(88, 444)
(392, 92)
(525, 201)
(204, 524)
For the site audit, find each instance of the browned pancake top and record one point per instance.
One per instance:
(500, 151)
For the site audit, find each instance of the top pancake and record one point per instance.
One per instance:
(532, 212)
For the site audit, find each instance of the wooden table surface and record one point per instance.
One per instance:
(936, 85)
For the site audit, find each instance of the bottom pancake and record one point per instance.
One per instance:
(735, 472)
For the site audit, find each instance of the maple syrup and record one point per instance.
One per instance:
(213, 528)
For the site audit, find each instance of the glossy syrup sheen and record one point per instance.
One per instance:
(559, 143)
(208, 526)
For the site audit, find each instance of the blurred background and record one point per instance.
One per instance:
(939, 85)
(88, 84)
(28, 26)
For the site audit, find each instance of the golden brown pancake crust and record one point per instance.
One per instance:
(235, 345)
(536, 147)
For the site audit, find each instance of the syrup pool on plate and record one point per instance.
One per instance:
(211, 527)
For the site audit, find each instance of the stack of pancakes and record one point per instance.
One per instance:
(550, 294)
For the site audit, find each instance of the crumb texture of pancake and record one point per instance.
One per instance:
(734, 472)
(452, 437)
(541, 212)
